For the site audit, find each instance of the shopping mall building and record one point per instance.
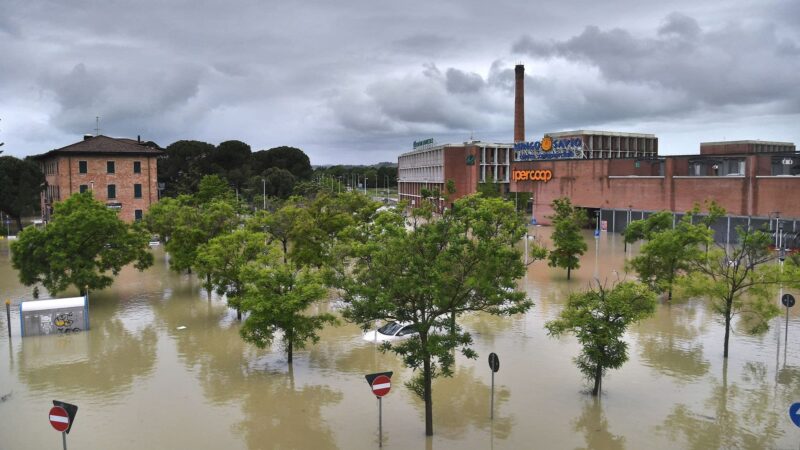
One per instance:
(618, 177)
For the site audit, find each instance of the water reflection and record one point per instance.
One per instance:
(734, 416)
(593, 424)
(669, 342)
(463, 402)
(101, 363)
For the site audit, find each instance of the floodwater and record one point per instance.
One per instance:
(141, 382)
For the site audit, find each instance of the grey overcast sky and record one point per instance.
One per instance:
(357, 81)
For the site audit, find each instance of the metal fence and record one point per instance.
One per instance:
(726, 229)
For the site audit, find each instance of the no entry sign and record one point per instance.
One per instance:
(59, 418)
(381, 385)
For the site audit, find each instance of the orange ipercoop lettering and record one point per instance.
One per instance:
(535, 175)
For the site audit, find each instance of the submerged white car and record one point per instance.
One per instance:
(392, 331)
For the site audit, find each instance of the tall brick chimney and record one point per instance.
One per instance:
(519, 104)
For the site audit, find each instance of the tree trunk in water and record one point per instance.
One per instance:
(727, 328)
(238, 314)
(426, 367)
(208, 286)
(568, 272)
(669, 295)
(598, 376)
(289, 347)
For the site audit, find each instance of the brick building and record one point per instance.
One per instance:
(619, 176)
(122, 173)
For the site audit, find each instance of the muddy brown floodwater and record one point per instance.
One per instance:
(142, 382)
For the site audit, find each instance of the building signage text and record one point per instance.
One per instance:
(422, 143)
(534, 175)
(549, 148)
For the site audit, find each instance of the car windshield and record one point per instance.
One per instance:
(390, 328)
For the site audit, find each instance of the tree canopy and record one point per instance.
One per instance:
(568, 241)
(464, 261)
(21, 182)
(737, 280)
(598, 318)
(83, 242)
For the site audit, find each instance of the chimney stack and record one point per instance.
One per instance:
(519, 103)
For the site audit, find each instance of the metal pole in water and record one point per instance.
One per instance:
(64, 437)
(492, 403)
(8, 317)
(380, 422)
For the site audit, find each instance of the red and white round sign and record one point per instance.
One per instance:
(59, 418)
(381, 385)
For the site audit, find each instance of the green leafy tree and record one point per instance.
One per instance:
(291, 159)
(464, 261)
(277, 297)
(84, 245)
(490, 188)
(21, 182)
(598, 318)
(568, 241)
(190, 221)
(737, 280)
(644, 229)
(668, 252)
(183, 165)
(222, 260)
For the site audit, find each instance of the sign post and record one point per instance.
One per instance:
(381, 384)
(788, 302)
(62, 416)
(794, 413)
(494, 364)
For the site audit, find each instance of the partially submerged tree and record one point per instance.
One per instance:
(668, 252)
(599, 318)
(277, 297)
(568, 241)
(737, 280)
(464, 261)
(222, 260)
(83, 242)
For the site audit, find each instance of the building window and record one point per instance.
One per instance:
(84, 188)
(137, 214)
(137, 191)
(82, 167)
(137, 167)
(112, 191)
(110, 166)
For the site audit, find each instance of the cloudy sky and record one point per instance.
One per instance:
(357, 81)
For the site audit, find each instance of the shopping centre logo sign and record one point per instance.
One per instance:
(533, 175)
(549, 148)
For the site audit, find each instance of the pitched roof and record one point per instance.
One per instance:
(104, 145)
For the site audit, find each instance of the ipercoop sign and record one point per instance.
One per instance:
(533, 175)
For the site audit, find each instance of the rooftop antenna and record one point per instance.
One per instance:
(97, 125)
(470, 136)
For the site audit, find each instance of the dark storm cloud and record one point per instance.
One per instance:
(361, 80)
(734, 64)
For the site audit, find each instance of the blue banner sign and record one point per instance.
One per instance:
(549, 148)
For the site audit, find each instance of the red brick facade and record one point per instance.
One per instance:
(79, 167)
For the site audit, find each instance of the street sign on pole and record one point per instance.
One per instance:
(381, 384)
(494, 365)
(59, 418)
(787, 300)
(494, 362)
(794, 413)
(72, 411)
